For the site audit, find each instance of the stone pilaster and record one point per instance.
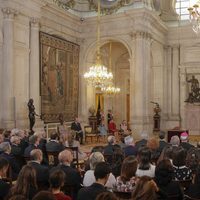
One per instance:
(140, 81)
(8, 100)
(34, 69)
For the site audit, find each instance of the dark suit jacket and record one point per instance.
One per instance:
(42, 175)
(108, 149)
(91, 192)
(162, 144)
(76, 126)
(72, 178)
(186, 145)
(4, 189)
(54, 146)
(16, 150)
(130, 151)
(140, 143)
(14, 165)
(29, 149)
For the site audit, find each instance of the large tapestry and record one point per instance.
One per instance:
(59, 61)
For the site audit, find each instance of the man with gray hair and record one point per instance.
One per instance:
(42, 172)
(109, 148)
(72, 176)
(34, 142)
(175, 141)
(6, 148)
(15, 146)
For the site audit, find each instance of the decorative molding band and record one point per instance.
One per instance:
(141, 35)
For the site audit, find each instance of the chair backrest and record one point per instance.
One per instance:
(74, 151)
(88, 129)
(53, 158)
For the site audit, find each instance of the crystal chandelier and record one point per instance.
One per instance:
(110, 89)
(98, 75)
(195, 17)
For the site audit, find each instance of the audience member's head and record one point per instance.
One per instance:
(34, 140)
(102, 172)
(7, 134)
(193, 158)
(111, 140)
(184, 137)
(166, 153)
(162, 135)
(106, 196)
(65, 157)
(128, 140)
(97, 149)
(164, 172)
(5, 147)
(179, 157)
(129, 168)
(54, 136)
(56, 179)
(44, 195)
(4, 164)
(18, 197)
(144, 135)
(95, 158)
(144, 158)
(15, 140)
(152, 143)
(25, 179)
(36, 155)
(146, 188)
(175, 141)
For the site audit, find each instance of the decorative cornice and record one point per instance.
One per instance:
(142, 34)
(34, 21)
(9, 13)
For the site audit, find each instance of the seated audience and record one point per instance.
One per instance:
(194, 189)
(34, 142)
(101, 173)
(146, 189)
(7, 135)
(181, 172)
(143, 141)
(162, 142)
(175, 141)
(130, 148)
(166, 153)
(26, 183)
(42, 172)
(122, 142)
(102, 129)
(4, 187)
(163, 178)
(106, 196)
(76, 126)
(145, 168)
(71, 142)
(184, 141)
(124, 128)
(108, 150)
(42, 135)
(6, 148)
(72, 176)
(153, 145)
(57, 180)
(15, 146)
(44, 195)
(127, 180)
(89, 177)
(53, 145)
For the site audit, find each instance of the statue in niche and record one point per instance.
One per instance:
(194, 94)
(156, 116)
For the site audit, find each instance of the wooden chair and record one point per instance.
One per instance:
(122, 195)
(89, 134)
(53, 158)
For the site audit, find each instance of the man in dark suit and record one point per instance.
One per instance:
(162, 142)
(53, 145)
(42, 172)
(101, 173)
(76, 126)
(184, 141)
(34, 142)
(143, 141)
(72, 177)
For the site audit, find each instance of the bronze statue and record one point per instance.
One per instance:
(31, 114)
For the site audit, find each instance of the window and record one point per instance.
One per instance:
(182, 6)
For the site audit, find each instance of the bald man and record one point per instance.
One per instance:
(72, 177)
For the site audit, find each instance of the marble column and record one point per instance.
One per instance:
(140, 82)
(34, 70)
(8, 117)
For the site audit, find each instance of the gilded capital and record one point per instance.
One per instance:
(9, 13)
